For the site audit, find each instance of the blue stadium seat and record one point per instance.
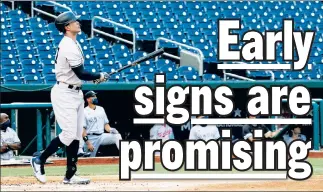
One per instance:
(9, 62)
(138, 54)
(93, 69)
(103, 50)
(22, 33)
(89, 62)
(8, 71)
(28, 71)
(88, 54)
(182, 70)
(45, 47)
(143, 34)
(167, 69)
(39, 34)
(37, 20)
(7, 48)
(103, 23)
(96, 42)
(97, 5)
(26, 48)
(3, 7)
(19, 20)
(148, 63)
(39, 26)
(124, 61)
(109, 69)
(50, 79)
(8, 55)
(211, 77)
(147, 69)
(116, 78)
(12, 79)
(160, 33)
(173, 76)
(98, 12)
(22, 40)
(33, 79)
(148, 77)
(131, 70)
(31, 63)
(47, 54)
(107, 62)
(49, 70)
(16, 13)
(18, 26)
(4, 40)
(122, 55)
(103, 55)
(161, 5)
(161, 62)
(120, 48)
(47, 62)
(6, 33)
(134, 77)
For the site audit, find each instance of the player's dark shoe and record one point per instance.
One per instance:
(80, 154)
(38, 169)
(76, 180)
(86, 154)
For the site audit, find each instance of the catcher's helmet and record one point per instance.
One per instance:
(64, 19)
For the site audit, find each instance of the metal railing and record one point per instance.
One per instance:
(320, 106)
(317, 123)
(179, 44)
(200, 53)
(12, 5)
(14, 117)
(46, 13)
(133, 43)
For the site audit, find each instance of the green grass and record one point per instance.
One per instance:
(60, 170)
(114, 170)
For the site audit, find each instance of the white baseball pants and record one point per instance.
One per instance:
(68, 106)
(104, 139)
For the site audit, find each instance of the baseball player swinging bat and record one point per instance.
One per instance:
(140, 60)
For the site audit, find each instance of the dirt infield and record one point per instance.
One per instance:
(112, 183)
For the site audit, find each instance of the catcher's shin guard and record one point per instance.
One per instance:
(72, 158)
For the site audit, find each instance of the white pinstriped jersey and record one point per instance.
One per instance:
(9, 137)
(95, 119)
(68, 56)
(204, 133)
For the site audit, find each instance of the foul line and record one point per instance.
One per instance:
(233, 121)
(276, 176)
(255, 66)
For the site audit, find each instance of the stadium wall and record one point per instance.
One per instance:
(119, 108)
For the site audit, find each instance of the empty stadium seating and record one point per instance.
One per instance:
(28, 45)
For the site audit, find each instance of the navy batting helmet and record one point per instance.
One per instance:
(89, 94)
(64, 19)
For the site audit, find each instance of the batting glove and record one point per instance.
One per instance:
(103, 77)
